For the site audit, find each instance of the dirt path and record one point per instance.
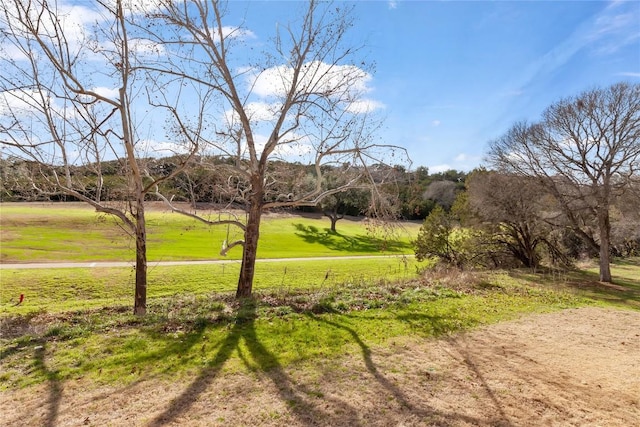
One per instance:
(578, 367)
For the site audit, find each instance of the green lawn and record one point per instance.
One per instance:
(186, 333)
(72, 327)
(623, 292)
(62, 289)
(57, 232)
(77, 323)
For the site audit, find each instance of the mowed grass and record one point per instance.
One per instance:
(60, 289)
(189, 332)
(187, 335)
(58, 232)
(74, 232)
(77, 323)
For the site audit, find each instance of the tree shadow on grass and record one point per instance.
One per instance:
(468, 359)
(295, 395)
(623, 291)
(339, 242)
(444, 419)
(304, 404)
(373, 369)
(39, 368)
(54, 385)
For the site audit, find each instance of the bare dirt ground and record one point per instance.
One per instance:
(578, 367)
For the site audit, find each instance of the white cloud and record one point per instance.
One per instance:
(615, 27)
(138, 6)
(466, 161)
(435, 123)
(439, 168)
(256, 111)
(393, 4)
(107, 92)
(364, 106)
(315, 76)
(462, 161)
(614, 23)
(232, 32)
(10, 51)
(228, 33)
(344, 83)
(292, 148)
(75, 21)
(146, 47)
(629, 74)
(72, 20)
(29, 102)
(17, 103)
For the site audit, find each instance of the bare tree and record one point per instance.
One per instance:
(442, 193)
(68, 90)
(585, 151)
(512, 210)
(625, 222)
(303, 98)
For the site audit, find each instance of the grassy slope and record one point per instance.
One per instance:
(74, 288)
(187, 332)
(55, 232)
(74, 232)
(303, 312)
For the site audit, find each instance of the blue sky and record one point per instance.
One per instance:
(453, 75)
(450, 75)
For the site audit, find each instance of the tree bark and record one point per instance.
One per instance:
(333, 223)
(250, 250)
(334, 217)
(604, 226)
(140, 299)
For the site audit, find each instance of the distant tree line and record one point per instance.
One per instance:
(207, 181)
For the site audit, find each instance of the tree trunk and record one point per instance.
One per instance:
(334, 219)
(140, 299)
(604, 226)
(192, 193)
(249, 253)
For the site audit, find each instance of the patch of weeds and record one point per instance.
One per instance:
(487, 285)
(315, 393)
(341, 306)
(201, 322)
(417, 294)
(282, 311)
(324, 305)
(56, 331)
(17, 325)
(301, 299)
(246, 310)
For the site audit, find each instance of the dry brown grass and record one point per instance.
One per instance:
(572, 368)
